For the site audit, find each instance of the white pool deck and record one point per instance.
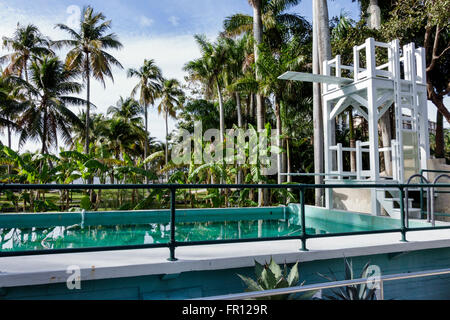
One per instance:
(47, 269)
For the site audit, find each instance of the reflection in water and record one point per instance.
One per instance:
(29, 239)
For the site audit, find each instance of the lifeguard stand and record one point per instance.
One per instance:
(372, 89)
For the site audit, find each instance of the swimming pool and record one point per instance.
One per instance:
(32, 232)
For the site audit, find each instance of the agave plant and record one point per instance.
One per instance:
(351, 292)
(271, 276)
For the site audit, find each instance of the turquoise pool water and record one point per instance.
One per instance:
(115, 232)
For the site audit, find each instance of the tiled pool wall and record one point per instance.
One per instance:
(29, 220)
(349, 218)
(209, 283)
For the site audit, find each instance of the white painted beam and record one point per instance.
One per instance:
(309, 77)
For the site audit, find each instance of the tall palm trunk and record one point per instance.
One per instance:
(288, 160)
(9, 144)
(317, 109)
(385, 121)
(257, 34)
(146, 139)
(374, 14)
(279, 130)
(239, 119)
(88, 93)
(440, 149)
(238, 109)
(167, 144)
(44, 129)
(221, 115)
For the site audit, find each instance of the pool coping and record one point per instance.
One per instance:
(51, 269)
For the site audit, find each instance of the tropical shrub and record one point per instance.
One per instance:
(352, 292)
(271, 276)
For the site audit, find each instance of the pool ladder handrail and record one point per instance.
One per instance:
(444, 175)
(406, 197)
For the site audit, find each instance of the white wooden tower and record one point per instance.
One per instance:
(372, 87)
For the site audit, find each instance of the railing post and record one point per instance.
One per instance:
(358, 160)
(340, 165)
(303, 218)
(172, 242)
(421, 198)
(402, 214)
(355, 63)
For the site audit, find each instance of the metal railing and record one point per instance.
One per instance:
(173, 243)
(429, 197)
(331, 285)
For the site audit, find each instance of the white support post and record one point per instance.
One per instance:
(355, 63)
(340, 165)
(395, 45)
(326, 72)
(424, 139)
(358, 160)
(394, 160)
(327, 152)
(421, 65)
(373, 142)
(370, 57)
(338, 66)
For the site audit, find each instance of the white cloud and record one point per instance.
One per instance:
(170, 54)
(174, 20)
(145, 22)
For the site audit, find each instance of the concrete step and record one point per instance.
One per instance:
(410, 201)
(413, 213)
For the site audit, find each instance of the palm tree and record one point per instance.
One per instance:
(150, 77)
(271, 65)
(126, 126)
(258, 37)
(87, 53)
(79, 129)
(233, 70)
(121, 137)
(268, 16)
(321, 52)
(10, 107)
(209, 69)
(171, 98)
(26, 42)
(129, 110)
(46, 113)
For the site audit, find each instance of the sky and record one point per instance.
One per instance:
(148, 29)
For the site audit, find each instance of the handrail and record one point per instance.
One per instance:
(173, 244)
(421, 189)
(428, 197)
(432, 196)
(330, 285)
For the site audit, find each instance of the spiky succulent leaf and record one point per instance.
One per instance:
(251, 284)
(275, 268)
(293, 276)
